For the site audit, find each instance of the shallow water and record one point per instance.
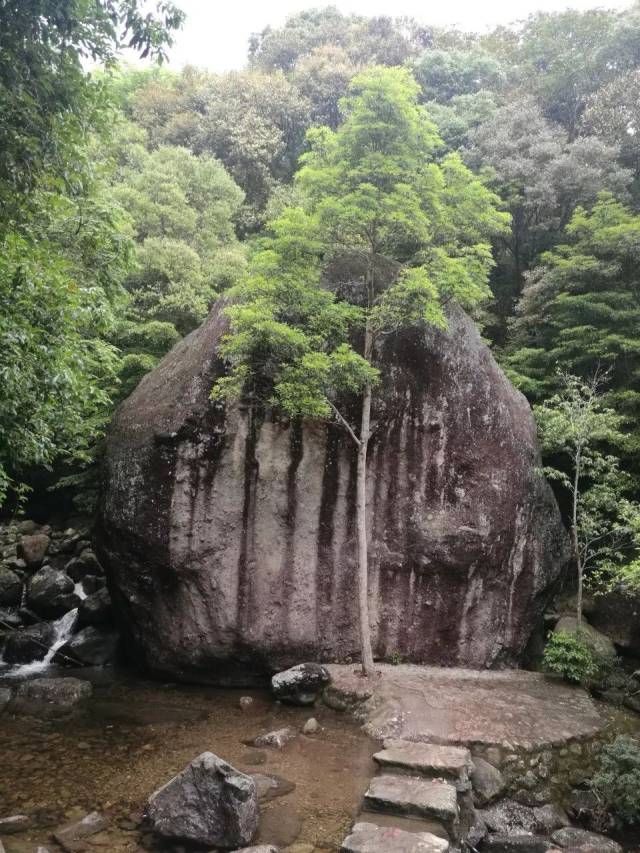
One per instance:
(138, 734)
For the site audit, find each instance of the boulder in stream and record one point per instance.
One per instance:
(96, 608)
(30, 644)
(51, 697)
(301, 684)
(209, 803)
(51, 593)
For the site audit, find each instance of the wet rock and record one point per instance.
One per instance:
(50, 592)
(549, 818)
(601, 644)
(487, 781)
(92, 583)
(370, 838)
(276, 739)
(301, 684)
(72, 836)
(509, 818)
(27, 526)
(176, 461)
(271, 787)
(515, 844)
(91, 647)
(15, 823)
(10, 587)
(33, 549)
(245, 702)
(51, 697)
(9, 619)
(96, 609)
(571, 836)
(209, 803)
(30, 644)
(311, 727)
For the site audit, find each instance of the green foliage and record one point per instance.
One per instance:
(366, 41)
(579, 309)
(445, 74)
(617, 781)
(46, 98)
(569, 655)
(605, 525)
(372, 188)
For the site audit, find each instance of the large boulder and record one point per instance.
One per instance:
(210, 803)
(301, 684)
(229, 536)
(90, 647)
(33, 548)
(51, 593)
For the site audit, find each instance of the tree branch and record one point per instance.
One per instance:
(345, 423)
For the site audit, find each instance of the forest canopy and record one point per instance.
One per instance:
(131, 198)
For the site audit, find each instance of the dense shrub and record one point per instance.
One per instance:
(617, 781)
(569, 655)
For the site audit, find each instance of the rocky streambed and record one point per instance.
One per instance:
(133, 736)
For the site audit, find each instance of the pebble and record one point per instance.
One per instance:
(246, 702)
(311, 727)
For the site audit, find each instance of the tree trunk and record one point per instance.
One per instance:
(363, 539)
(574, 536)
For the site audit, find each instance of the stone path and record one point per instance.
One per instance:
(427, 719)
(511, 708)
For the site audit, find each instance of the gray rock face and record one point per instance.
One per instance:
(10, 587)
(369, 838)
(229, 539)
(91, 647)
(51, 592)
(571, 836)
(487, 782)
(50, 697)
(28, 645)
(209, 803)
(96, 608)
(301, 684)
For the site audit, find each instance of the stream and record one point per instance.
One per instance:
(138, 734)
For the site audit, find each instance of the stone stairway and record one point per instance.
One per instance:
(426, 782)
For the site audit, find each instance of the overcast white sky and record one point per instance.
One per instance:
(216, 33)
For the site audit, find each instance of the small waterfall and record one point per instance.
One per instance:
(79, 591)
(62, 631)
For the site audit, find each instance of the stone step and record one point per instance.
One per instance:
(409, 824)
(415, 796)
(369, 838)
(427, 759)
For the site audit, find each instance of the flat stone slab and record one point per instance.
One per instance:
(509, 708)
(411, 795)
(432, 760)
(369, 838)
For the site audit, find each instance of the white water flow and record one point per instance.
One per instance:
(79, 591)
(62, 631)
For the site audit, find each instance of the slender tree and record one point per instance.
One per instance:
(377, 198)
(574, 424)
